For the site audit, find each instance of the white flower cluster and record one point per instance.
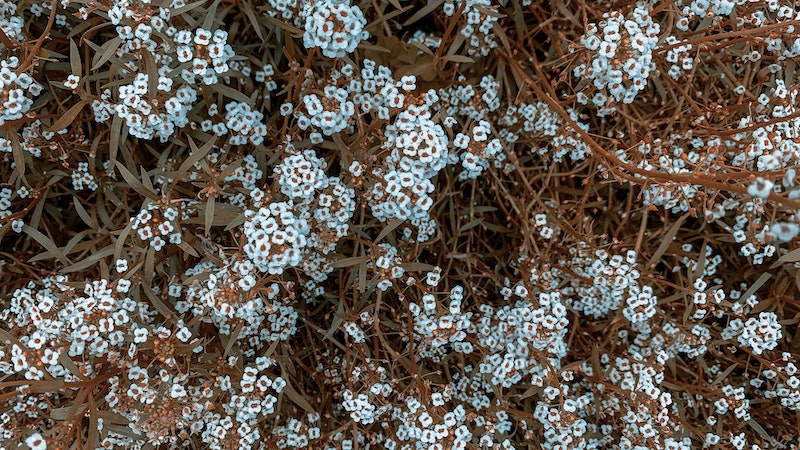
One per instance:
(758, 334)
(299, 231)
(209, 53)
(355, 332)
(18, 91)
(82, 179)
(285, 9)
(563, 426)
(244, 124)
(468, 101)
(620, 57)
(669, 161)
(296, 433)
(57, 321)
(334, 26)
(225, 296)
(637, 375)
(478, 151)
(787, 387)
(614, 280)
(736, 399)
(480, 20)
(436, 328)
(265, 75)
(694, 344)
(248, 175)
(327, 200)
(145, 117)
(277, 237)
(387, 264)
(329, 105)
(5, 202)
(10, 23)
(537, 122)
(679, 56)
(517, 338)
(330, 114)
(361, 408)
(239, 404)
(158, 225)
(418, 151)
(703, 8)
(420, 430)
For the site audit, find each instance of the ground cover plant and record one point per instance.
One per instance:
(455, 224)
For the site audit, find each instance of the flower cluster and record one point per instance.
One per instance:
(335, 27)
(18, 90)
(242, 123)
(514, 334)
(158, 225)
(620, 57)
(418, 150)
(147, 117)
(228, 297)
(437, 329)
(758, 334)
(314, 217)
(478, 29)
(208, 52)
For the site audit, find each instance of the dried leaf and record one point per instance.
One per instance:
(424, 12)
(134, 182)
(104, 53)
(68, 117)
(75, 59)
(297, 398)
(196, 156)
(348, 262)
(791, 257)
(209, 214)
(388, 229)
(47, 243)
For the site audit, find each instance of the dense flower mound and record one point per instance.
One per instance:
(621, 57)
(459, 224)
(334, 26)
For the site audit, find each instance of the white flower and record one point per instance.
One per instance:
(761, 188)
(36, 442)
(72, 82)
